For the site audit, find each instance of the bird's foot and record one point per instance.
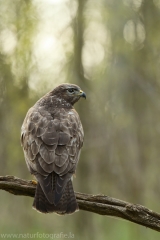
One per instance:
(34, 182)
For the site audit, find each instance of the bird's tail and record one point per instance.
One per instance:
(66, 205)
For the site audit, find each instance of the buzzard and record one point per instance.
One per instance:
(52, 138)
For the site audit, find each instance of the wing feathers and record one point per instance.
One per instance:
(51, 146)
(50, 138)
(48, 156)
(34, 148)
(60, 160)
(45, 166)
(63, 138)
(40, 131)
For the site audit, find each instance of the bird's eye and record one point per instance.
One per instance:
(70, 90)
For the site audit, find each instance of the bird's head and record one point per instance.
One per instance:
(69, 93)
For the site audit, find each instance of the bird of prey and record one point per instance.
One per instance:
(52, 138)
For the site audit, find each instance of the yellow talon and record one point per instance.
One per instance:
(34, 182)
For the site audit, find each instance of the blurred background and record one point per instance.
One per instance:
(111, 49)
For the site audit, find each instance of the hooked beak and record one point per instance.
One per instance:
(82, 94)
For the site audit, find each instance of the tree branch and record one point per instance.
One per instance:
(100, 204)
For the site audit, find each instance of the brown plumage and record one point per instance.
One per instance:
(52, 137)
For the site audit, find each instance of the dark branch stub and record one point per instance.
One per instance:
(100, 204)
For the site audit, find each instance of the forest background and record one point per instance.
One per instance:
(111, 49)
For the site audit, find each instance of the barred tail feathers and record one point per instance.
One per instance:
(66, 205)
